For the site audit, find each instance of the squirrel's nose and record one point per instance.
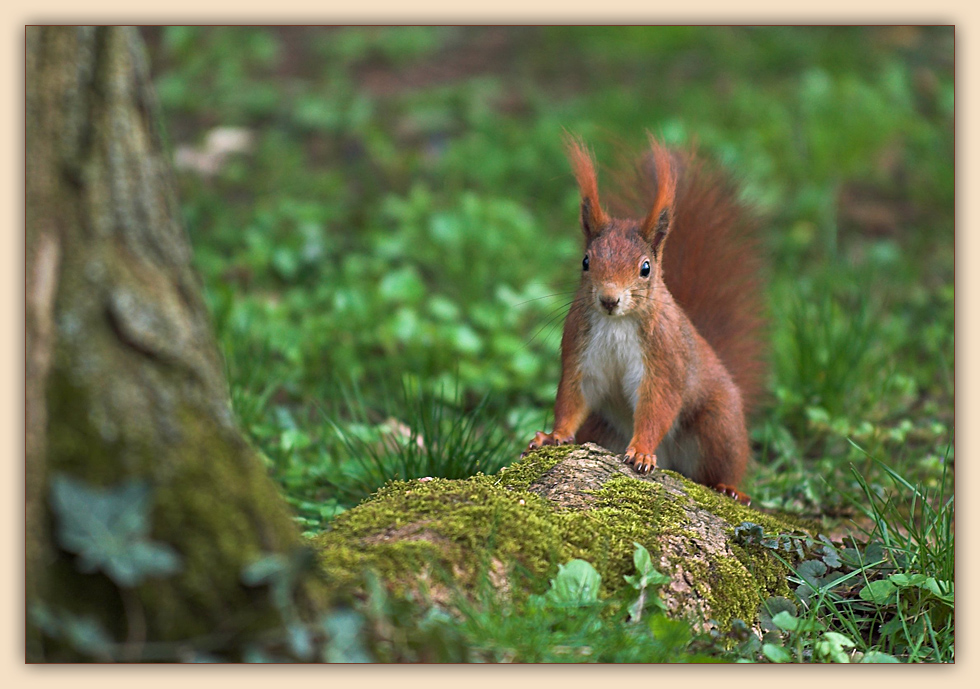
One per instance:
(609, 303)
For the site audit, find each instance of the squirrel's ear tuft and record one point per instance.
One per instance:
(658, 222)
(593, 217)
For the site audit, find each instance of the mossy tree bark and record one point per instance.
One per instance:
(557, 504)
(124, 379)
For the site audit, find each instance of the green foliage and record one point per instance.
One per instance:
(109, 529)
(421, 227)
(914, 522)
(337, 636)
(887, 599)
(646, 577)
(83, 634)
(828, 340)
(281, 575)
(405, 218)
(570, 623)
(915, 528)
(576, 585)
(826, 647)
(439, 440)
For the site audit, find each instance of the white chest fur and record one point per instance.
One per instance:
(612, 368)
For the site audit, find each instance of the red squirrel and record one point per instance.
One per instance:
(661, 354)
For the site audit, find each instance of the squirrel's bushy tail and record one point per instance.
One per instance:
(712, 264)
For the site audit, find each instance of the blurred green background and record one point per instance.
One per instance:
(386, 229)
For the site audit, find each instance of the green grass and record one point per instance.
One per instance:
(887, 597)
(567, 622)
(439, 440)
(405, 220)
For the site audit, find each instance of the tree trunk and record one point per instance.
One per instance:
(439, 537)
(124, 380)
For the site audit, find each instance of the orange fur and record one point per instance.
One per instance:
(578, 155)
(662, 348)
(663, 199)
(713, 266)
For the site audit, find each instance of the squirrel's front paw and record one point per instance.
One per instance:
(642, 462)
(541, 439)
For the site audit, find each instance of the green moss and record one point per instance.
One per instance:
(455, 529)
(522, 474)
(498, 513)
(212, 501)
(458, 529)
(440, 524)
(733, 511)
(739, 585)
(732, 592)
(625, 511)
(768, 573)
(219, 538)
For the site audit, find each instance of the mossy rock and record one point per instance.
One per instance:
(557, 504)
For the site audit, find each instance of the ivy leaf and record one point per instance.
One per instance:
(852, 557)
(109, 530)
(264, 570)
(300, 641)
(85, 634)
(804, 592)
(280, 572)
(749, 532)
(144, 559)
(878, 657)
(344, 629)
(874, 553)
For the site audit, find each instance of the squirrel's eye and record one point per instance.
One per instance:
(645, 269)
(585, 263)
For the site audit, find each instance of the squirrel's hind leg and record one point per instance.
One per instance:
(724, 444)
(733, 493)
